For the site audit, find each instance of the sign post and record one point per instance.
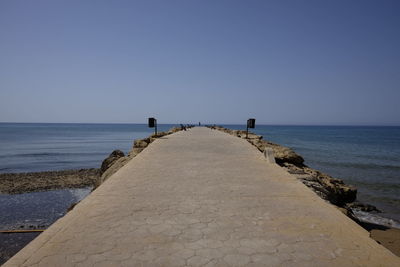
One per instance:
(251, 123)
(153, 124)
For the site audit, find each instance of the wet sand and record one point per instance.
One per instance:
(387, 237)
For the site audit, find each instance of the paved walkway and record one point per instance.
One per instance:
(199, 198)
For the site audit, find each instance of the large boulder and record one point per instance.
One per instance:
(141, 143)
(111, 159)
(282, 154)
(285, 154)
(332, 189)
(337, 192)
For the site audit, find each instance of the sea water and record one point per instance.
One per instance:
(37, 209)
(32, 147)
(366, 157)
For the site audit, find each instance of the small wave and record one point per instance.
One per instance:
(80, 193)
(375, 219)
(50, 154)
(380, 157)
(44, 154)
(378, 186)
(366, 166)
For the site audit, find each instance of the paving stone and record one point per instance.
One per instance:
(203, 198)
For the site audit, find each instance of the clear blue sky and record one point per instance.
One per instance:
(282, 62)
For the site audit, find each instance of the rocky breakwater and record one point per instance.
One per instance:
(331, 189)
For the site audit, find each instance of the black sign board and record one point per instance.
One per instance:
(251, 123)
(152, 122)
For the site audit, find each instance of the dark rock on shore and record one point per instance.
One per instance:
(363, 207)
(332, 189)
(282, 154)
(17, 183)
(114, 156)
(140, 144)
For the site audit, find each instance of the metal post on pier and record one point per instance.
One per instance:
(153, 124)
(251, 123)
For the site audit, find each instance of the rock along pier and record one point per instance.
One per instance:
(203, 198)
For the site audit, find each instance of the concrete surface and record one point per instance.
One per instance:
(203, 198)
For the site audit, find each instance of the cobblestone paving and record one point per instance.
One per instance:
(203, 198)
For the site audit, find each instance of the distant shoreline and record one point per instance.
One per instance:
(233, 124)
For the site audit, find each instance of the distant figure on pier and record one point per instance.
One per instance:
(199, 124)
(183, 128)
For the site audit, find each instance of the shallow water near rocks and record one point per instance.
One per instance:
(37, 209)
(373, 218)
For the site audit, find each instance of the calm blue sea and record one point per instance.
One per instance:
(31, 147)
(367, 157)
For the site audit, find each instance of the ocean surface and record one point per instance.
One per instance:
(367, 157)
(32, 147)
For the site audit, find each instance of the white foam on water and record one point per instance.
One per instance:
(80, 193)
(375, 219)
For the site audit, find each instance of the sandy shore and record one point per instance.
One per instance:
(18, 183)
(387, 237)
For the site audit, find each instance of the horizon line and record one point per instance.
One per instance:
(204, 124)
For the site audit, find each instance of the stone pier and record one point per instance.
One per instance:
(203, 198)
